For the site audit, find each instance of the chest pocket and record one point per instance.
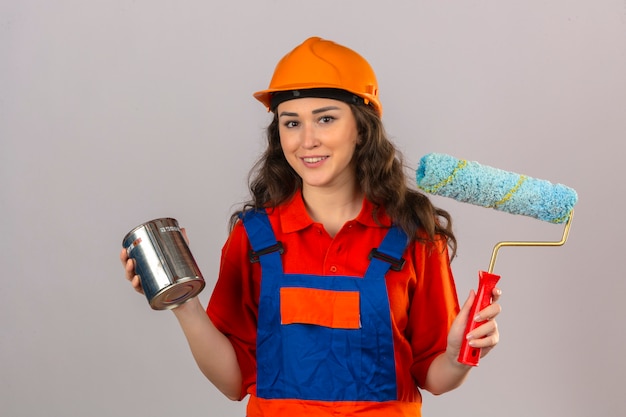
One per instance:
(328, 308)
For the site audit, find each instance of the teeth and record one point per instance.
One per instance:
(313, 160)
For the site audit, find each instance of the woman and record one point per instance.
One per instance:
(335, 295)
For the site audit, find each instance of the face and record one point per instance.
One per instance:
(318, 137)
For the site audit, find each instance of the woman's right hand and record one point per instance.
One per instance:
(129, 268)
(129, 265)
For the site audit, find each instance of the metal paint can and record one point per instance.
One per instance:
(169, 274)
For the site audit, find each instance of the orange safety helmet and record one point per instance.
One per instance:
(322, 68)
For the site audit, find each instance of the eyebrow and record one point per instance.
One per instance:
(316, 111)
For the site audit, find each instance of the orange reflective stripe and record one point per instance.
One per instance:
(335, 309)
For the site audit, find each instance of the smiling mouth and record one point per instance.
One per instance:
(313, 160)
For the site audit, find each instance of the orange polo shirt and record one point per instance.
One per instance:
(422, 298)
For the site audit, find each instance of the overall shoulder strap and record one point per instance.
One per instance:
(261, 235)
(388, 254)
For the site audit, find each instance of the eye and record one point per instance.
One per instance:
(326, 119)
(290, 124)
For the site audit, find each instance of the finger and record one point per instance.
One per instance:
(496, 293)
(130, 269)
(457, 330)
(136, 282)
(463, 316)
(469, 301)
(488, 313)
(124, 256)
(485, 335)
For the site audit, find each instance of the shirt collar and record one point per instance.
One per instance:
(294, 217)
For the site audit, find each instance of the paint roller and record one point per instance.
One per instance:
(471, 182)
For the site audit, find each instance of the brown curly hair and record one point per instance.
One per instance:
(380, 171)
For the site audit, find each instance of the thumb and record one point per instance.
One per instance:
(460, 323)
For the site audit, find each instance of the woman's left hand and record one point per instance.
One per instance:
(485, 336)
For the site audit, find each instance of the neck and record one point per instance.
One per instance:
(332, 207)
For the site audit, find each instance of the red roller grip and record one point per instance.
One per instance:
(486, 283)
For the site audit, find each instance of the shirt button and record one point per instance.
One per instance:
(333, 269)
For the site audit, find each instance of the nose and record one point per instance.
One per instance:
(309, 139)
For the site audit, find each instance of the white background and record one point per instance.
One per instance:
(116, 112)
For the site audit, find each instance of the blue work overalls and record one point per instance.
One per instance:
(313, 362)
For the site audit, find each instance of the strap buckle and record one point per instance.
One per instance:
(254, 255)
(396, 264)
